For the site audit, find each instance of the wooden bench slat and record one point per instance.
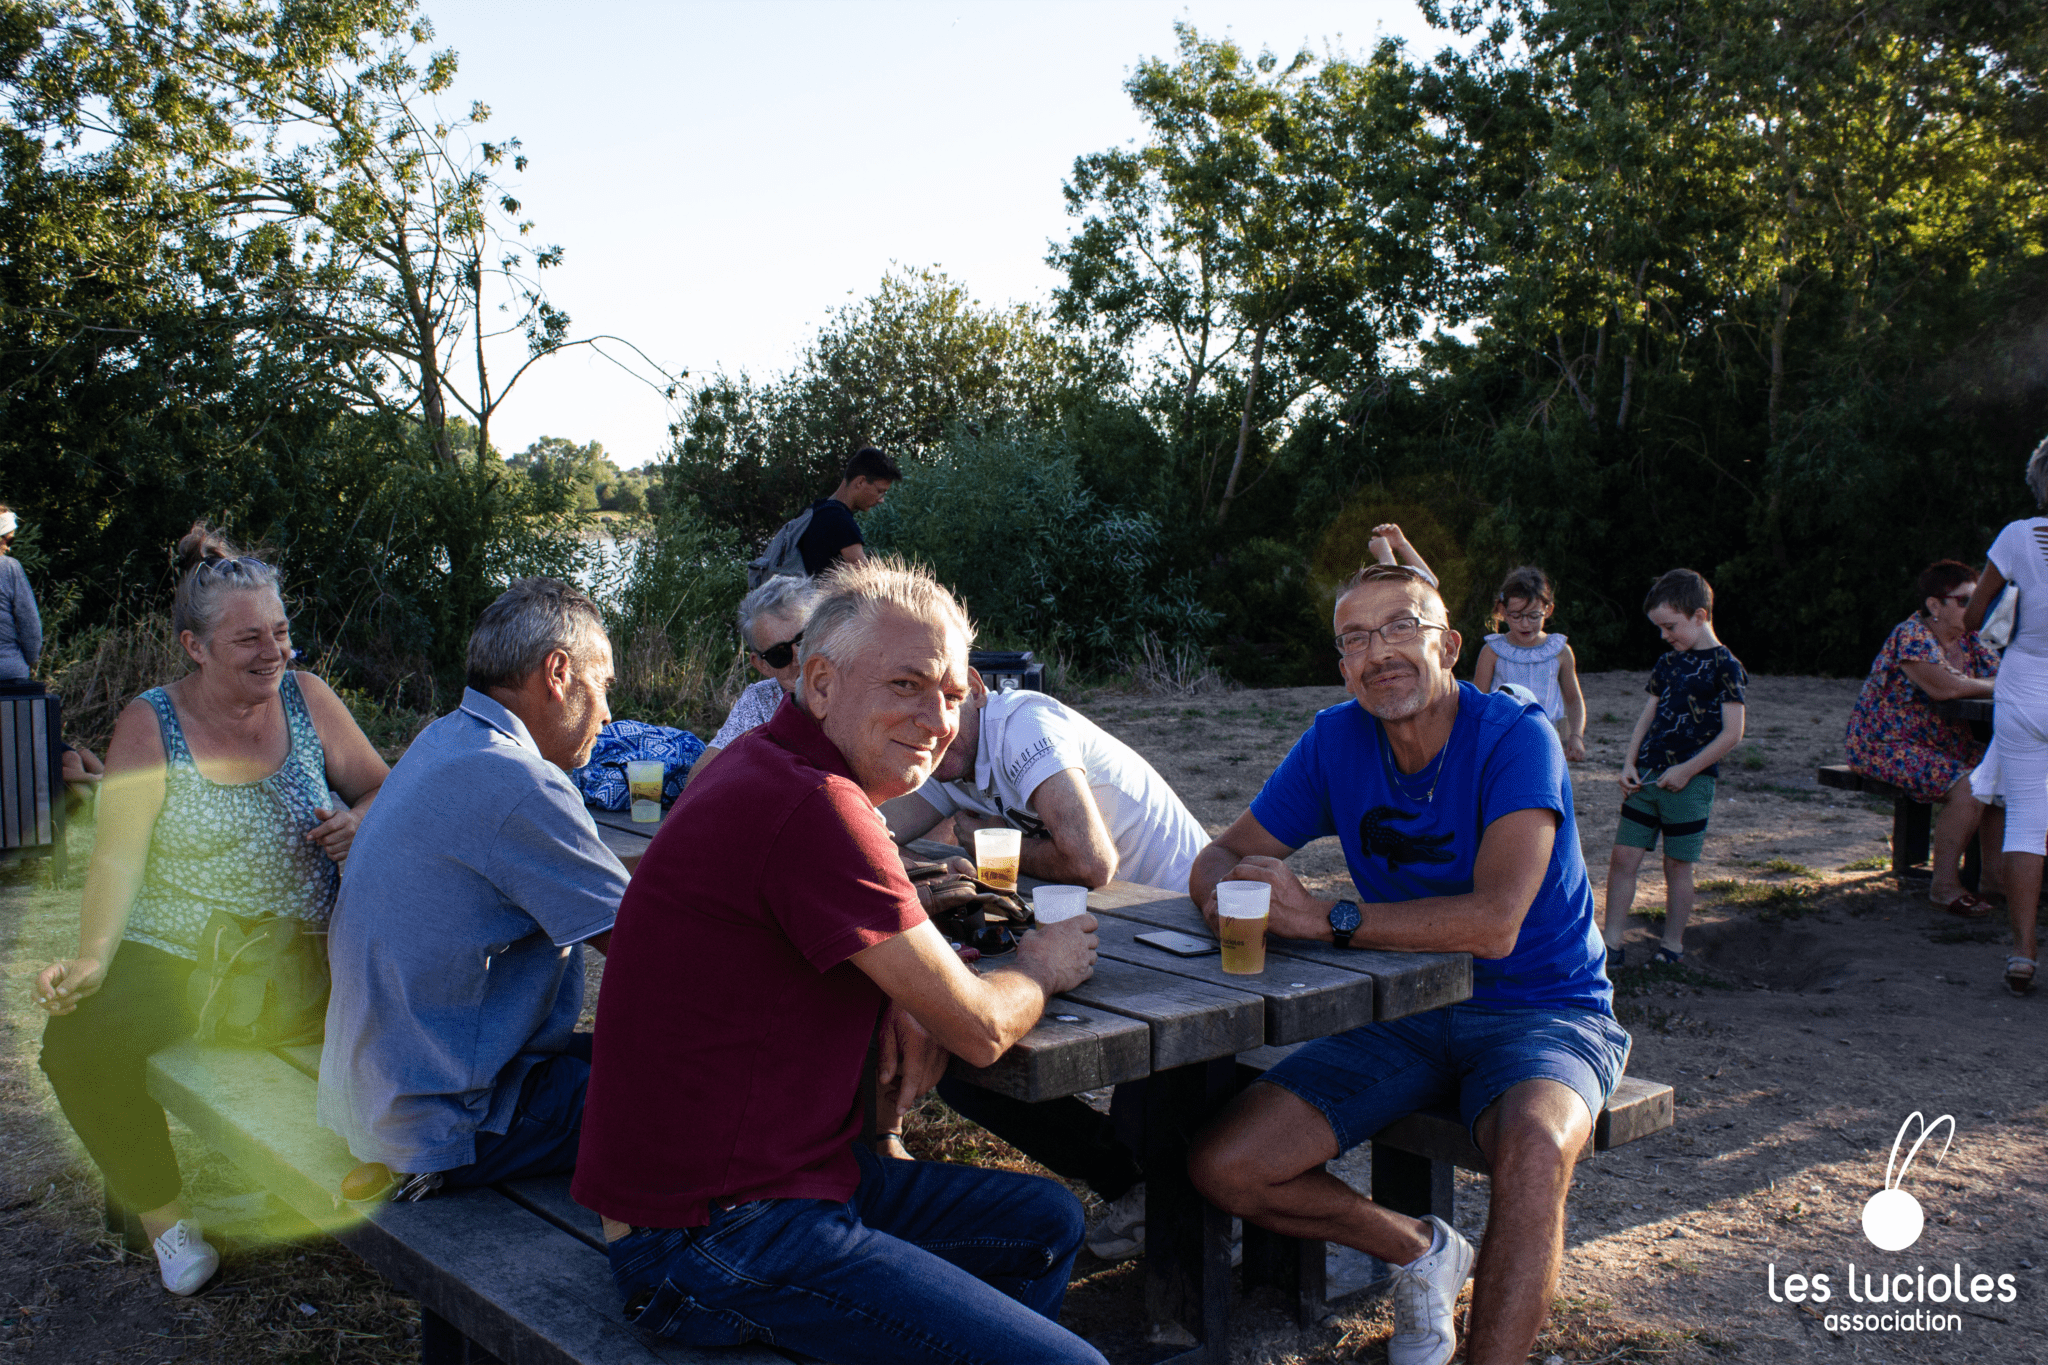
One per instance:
(509, 1279)
(548, 1196)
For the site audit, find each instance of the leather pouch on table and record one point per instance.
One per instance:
(966, 910)
(261, 981)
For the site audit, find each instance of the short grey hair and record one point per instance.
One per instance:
(2037, 473)
(784, 595)
(209, 568)
(530, 620)
(853, 595)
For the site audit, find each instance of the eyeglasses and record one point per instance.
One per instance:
(1398, 631)
(779, 656)
(1961, 599)
(1533, 616)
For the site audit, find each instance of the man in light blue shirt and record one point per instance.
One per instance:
(451, 1055)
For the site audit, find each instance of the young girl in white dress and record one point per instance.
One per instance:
(1534, 657)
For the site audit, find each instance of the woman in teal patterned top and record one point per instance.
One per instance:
(220, 794)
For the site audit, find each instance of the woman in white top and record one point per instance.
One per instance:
(771, 621)
(2020, 557)
(1534, 657)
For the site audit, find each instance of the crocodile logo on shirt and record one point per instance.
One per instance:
(1377, 837)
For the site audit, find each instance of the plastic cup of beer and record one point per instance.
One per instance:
(1051, 904)
(643, 780)
(996, 854)
(1242, 909)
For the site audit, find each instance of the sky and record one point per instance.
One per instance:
(722, 175)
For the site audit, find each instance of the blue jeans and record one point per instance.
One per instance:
(546, 1128)
(927, 1262)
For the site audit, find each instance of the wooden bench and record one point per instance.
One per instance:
(514, 1273)
(1912, 822)
(32, 778)
(1414, 1171)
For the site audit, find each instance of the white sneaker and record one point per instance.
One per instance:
(1425, 1292)
(1119, 1233)
(184, 1259)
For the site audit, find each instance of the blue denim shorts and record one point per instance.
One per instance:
(1363, 1080)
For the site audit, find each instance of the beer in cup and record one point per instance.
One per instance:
(1051, 904)
(643, 780)
(996, 854)
(1242, 909)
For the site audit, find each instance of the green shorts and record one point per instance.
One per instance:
(1681, 816)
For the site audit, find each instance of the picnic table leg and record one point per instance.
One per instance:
(1187, 1239)
(442, 1343)
(1411, 1184)
(1912, 824)
(1292, 1265)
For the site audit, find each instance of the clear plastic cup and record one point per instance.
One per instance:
(1243, 910)
(643, 780)
(996, 855)
(1051, 904)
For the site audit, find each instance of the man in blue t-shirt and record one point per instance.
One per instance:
(1455, 815)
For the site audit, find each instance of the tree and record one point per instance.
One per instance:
(1275, 227)
(310, 141)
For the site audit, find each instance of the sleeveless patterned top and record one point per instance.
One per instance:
(235, 846)
(1535, 668)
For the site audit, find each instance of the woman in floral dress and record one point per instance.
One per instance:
(1896, 737)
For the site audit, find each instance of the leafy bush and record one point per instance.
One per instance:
(1005, 519)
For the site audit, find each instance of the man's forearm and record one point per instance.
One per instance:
(1011, 1001)
(1046, 860)
(1472, 923)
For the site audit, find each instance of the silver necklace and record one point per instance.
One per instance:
(1400, 781)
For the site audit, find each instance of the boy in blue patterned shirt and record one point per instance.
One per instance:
(1667, 781)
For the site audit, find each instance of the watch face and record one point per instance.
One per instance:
(1344, 917)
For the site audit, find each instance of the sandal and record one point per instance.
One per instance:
(1665, 957)
(2019, 974)
(1968, 905)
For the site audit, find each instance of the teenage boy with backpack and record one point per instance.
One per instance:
(825, 533)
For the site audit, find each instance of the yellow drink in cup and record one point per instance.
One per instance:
(643, 782)
(1243, 909)
(996, 855)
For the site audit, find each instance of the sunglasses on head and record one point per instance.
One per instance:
(779, 656)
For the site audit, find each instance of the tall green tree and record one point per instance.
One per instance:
(1273, 231)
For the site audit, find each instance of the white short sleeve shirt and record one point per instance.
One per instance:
(1028, 736)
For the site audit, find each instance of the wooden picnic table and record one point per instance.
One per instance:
(1179, 1023)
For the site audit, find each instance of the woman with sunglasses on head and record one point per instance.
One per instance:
(771, 622)
(1896, 736)
(220, 794)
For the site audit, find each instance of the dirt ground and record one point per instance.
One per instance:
(1824, 1006)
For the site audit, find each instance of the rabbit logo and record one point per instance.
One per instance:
(1892, 1219)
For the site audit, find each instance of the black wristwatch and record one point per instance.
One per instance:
(1344, 922)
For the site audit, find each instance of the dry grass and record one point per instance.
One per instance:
(690, 686)
(105, 668)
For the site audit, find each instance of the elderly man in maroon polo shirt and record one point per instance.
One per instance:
(768, 933)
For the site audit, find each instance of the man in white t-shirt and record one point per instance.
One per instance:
(1090, 808)
(1091, 811)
